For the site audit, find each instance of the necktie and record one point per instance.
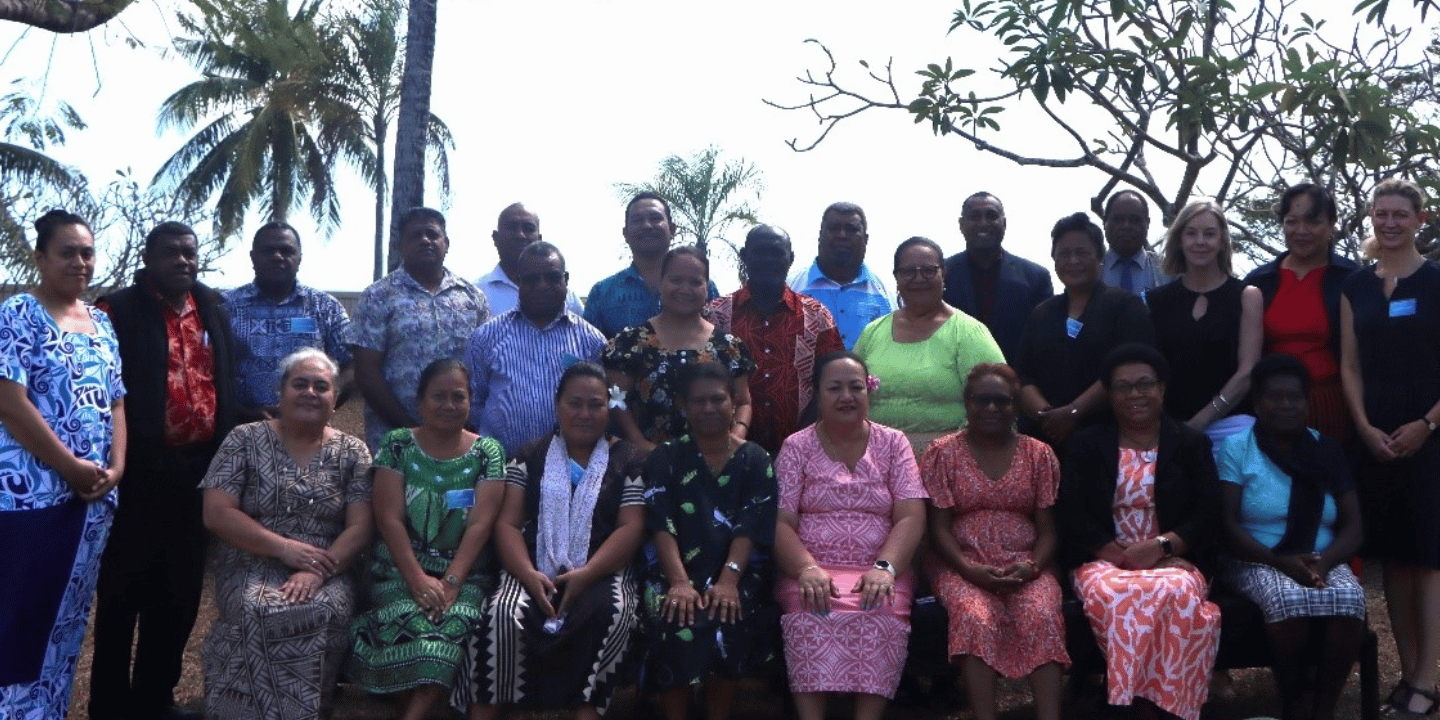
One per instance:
(1127, 279)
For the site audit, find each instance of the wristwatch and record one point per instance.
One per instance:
(1429, 423)
(1166, 547)
(732, 565)
(885, 565)
(452, 581)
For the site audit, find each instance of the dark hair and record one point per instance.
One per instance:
(918, 240)
(1110, 201)
(647, 195)
(1130, 353)
(275, 225)
(812, 411)
(421, 213)
(689, 250)
(698, 372)
(846, 208)
(435, 369)
(169, 228)
(982, 194)
(1079, 222)
(582, 369)
(1000, 370)
(1277, 365)
(47, 224)
(541, 249)
(1322, 203)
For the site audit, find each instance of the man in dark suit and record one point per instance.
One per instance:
(175, 352)
(989, 284)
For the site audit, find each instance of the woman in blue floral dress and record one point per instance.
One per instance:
(62, 451)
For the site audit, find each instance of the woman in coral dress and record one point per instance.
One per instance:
(851, 513)
(993, 533)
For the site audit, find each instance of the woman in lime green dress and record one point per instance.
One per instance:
(437, 491)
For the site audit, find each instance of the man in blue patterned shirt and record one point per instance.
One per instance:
(839, 277)
(516, 358)
(275, 316)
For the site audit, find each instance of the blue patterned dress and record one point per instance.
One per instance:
(52, 540)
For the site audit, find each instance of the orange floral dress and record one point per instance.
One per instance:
(993, 522)
(1158, 632)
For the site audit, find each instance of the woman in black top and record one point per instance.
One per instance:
(1207, 324)
(1067, 335)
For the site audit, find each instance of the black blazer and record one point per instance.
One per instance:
(1021, 286)
(1187, 492)
(1267, 278)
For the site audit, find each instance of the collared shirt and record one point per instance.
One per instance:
(1146, 271)
(267, 331)
(853, 304)
(785, 345)
(624, 300)
(413, 327)
(189, 378)
(504, 295)
(514, 369)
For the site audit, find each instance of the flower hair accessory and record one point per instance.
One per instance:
(617, 398)
(872, 383)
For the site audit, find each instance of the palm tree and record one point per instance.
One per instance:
(28, 176)
(410, 129)
(267, 93)
(704, 196)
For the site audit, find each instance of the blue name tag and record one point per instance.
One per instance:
(1073, 327)
(460, 499)
(304, 325)
(1402, 308)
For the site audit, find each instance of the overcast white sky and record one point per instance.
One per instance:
(552, 102)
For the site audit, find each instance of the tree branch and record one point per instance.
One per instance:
(62, 16)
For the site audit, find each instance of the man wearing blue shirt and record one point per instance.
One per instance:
(515, 230)
(1129, 264)
(839, 278)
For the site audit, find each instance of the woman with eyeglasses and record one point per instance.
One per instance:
(1067, 336)
(1138, 508)
(921, 352)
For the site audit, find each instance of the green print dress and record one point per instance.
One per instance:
(705, 513)
(395, 645)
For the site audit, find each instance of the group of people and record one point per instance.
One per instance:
(674, 487)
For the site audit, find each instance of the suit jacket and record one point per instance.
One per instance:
(1021, 286)
(1187, 492)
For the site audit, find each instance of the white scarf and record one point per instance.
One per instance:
(562, 540)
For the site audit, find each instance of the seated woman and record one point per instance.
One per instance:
(1291, 521)
(710, 511)
(437, 492)
(852, 510)
(993, 529)
(290, 499)
(1137, 504)
(559, 629)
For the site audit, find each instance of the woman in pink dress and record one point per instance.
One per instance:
(1139, 504)
(852, 511)
(993, 534)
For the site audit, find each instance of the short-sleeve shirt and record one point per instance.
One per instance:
(73, 380)
(413, 327)
(854, 304)
(636, 352)
(515, 368)
(623, 300)
(1265, 492)
(266, 332)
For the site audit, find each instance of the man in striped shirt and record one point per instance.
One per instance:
(517, 357)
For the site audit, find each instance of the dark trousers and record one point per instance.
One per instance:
(150, 576)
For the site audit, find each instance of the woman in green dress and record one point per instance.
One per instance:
(436, 494)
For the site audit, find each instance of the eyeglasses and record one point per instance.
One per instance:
(929, 272)
(999, 401)
(1144, 387)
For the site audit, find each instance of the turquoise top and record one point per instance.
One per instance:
(1265, 495)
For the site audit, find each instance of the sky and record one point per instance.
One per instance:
(552, 103)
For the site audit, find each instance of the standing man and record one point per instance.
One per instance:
(175, 350)
(785, 331)
(274, 316)
(1129, 264)
(839, 278)
(408, 319)
(632, 296)
(989, 284)
(516, 229)
(517, 357)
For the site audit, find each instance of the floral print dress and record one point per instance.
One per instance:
(637, 352)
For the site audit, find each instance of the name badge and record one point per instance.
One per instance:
(460, 499)
(304, 325)
(1402, 308)
(1073, 327)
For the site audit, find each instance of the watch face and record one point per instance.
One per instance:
(883, 564)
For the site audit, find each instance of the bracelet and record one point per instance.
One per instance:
(732, 565)
(1216, 404)
(741, 422)
(811, 566)
(1074, 411)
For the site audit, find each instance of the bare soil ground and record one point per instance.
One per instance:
(1255, 694)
